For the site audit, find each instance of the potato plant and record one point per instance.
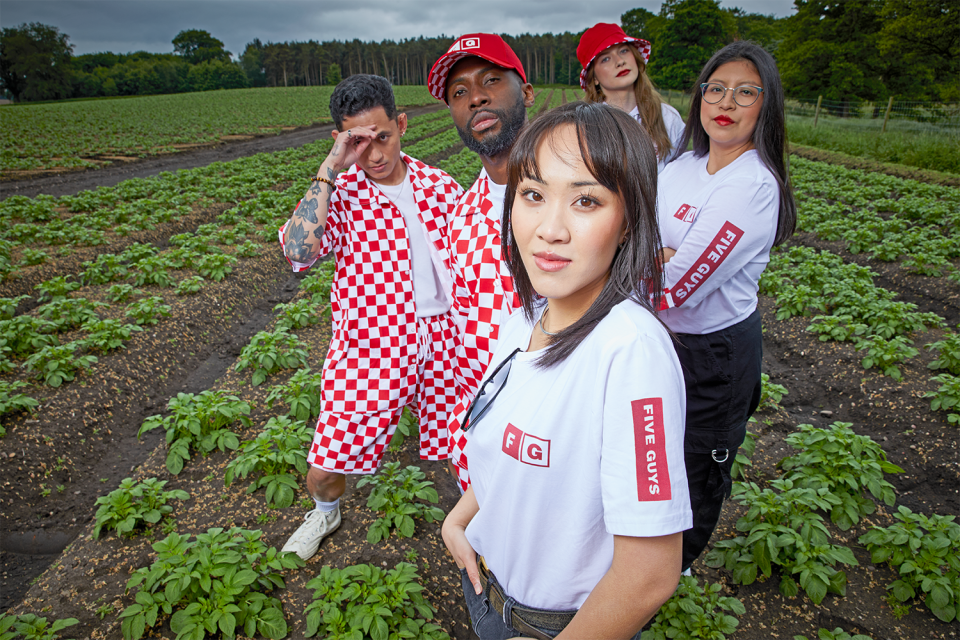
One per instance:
(269, 352)
(301, 394)
(198, 423)
(277, 451)
(696, 612)
(233, 566)
(12, 401)
(394, 493)
(363, 601)
(58, 363)
(923, 551)
(844, 464)
(134, 505)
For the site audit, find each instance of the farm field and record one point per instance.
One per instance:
(124, 245)
(90, 133)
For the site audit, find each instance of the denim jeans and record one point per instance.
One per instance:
(487, 624)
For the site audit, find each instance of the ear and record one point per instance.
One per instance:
(528, 96)
(334, 134)
(402, 123)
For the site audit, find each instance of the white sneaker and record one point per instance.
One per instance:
(306, 540)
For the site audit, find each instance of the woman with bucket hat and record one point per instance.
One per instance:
(614, 72)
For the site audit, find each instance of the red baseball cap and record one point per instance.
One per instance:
(599, 37)
(488, 46)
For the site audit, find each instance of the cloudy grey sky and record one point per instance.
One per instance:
(124, 26)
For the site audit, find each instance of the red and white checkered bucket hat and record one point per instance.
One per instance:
(488, 46)
(600, 36)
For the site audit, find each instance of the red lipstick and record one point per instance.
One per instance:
(723, 120)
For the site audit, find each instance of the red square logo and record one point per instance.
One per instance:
(526, 448)
(686, 213)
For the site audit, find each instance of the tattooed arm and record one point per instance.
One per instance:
(304, 230)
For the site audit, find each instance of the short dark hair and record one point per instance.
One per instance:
(359, 93)
(620, 155)
(769, 134)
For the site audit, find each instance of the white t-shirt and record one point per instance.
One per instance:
(674, 125)
(497, 195)
(432, 295)
(567, 457)
(722, 227)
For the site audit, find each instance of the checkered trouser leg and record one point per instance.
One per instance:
(354, 443)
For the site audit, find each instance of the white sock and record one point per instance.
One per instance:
(327, 507)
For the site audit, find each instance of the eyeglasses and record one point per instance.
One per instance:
(744, 95)
(489, 391)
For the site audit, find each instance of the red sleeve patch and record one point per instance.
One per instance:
(653, 475)
(708, 262)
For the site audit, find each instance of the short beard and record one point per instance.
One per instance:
(511, 122)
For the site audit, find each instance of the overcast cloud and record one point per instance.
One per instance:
(124, 26)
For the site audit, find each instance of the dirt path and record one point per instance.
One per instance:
(72, 182)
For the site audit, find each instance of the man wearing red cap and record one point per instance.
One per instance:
(484, 85)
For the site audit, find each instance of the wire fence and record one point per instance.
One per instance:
(880, 117)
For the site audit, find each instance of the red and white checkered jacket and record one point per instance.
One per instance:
(484, 299)
(373, 350)
(484, 296)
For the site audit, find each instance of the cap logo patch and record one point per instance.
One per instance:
(464, 43)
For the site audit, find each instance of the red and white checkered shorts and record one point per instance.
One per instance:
(353, 442)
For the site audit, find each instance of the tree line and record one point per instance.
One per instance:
(850, 50)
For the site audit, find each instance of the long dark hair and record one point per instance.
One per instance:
(769, 135)
(620, 155)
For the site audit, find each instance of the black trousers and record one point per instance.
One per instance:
(721, 372)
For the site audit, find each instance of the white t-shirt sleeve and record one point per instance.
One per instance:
(732, 227)
(642, 477)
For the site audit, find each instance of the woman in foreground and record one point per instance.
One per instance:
(571, 525)
(615, 72)
(721, 208)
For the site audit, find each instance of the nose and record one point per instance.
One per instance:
(553, 228)
(478, 96)
(728, 101)
(374, 154)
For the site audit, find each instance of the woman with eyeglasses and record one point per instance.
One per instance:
(721, 208)
(571, 526)
(615, 72)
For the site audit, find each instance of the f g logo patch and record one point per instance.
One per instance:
(686, 213)
(526, 448)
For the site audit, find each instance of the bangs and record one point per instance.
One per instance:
(619, 155)
(600, 139)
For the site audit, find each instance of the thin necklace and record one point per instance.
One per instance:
(542, 316)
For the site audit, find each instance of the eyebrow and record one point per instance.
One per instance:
(482, 71)
(582, 183)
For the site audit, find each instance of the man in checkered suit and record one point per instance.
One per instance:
(483, 83)
(394, 339)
